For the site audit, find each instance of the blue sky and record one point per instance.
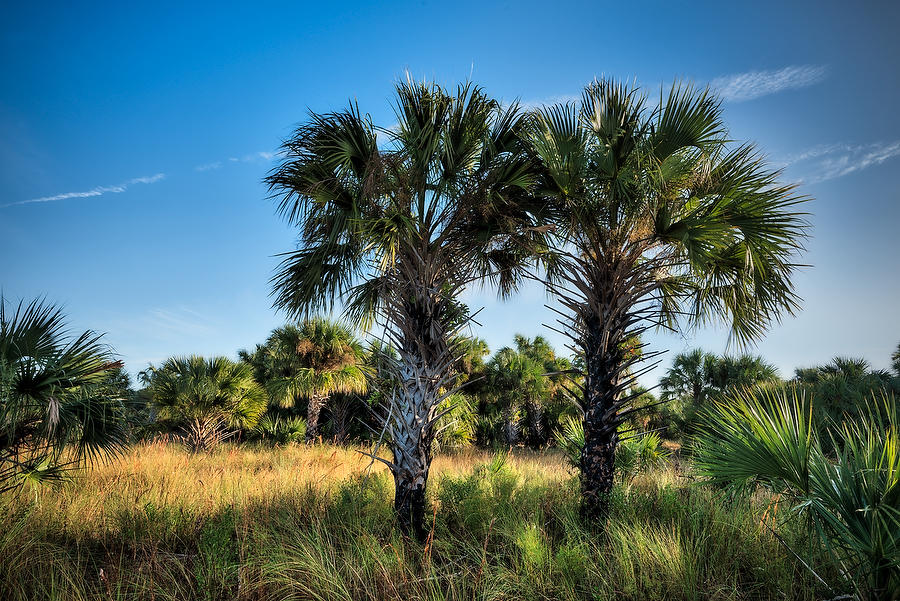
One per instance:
(133, 140)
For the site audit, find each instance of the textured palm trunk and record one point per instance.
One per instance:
(412, 436)
(535, 423)
(340, 418)
(605, 363)
(598, 458)
(511, 423)
(313, 411)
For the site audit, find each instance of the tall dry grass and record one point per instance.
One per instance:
(315, 522)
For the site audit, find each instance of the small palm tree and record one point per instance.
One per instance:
(206, 397)
(58, 408)
(515, 378)
(689, 377)
(660, 221)
(313, 361)
(397, 222)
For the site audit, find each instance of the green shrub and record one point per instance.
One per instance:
(851, 495)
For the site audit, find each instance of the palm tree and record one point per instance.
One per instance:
(661, 221)
(396, 222)
(730, 373)
(895, 361)
(689, 376)
(554, 369)
(313, 361)
(841, 387)
(514, 377)
(58, 407)
(204, 397)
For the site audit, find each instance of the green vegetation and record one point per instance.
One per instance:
(307, 522)
(851, 497)
(550, 477)
(58, 406)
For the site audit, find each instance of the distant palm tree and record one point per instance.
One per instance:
(689, 376)
(730, 373)
(840, 388)
(206, 397)
(895, 361)
(397, 222)
(554, 371)
(515, 378)
(661, 220)
(313, 361)
(58, 407)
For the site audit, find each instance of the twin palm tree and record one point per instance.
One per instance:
(396, 223)
(658, 220)
(314, 361)
(697, 375)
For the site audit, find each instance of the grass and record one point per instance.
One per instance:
(311, 523)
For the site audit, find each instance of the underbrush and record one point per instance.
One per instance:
(314, 523)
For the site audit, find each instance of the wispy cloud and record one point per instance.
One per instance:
(253, 157)
(830, 161)
(747, 86)
(98, 191)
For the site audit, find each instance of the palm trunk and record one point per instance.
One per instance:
(413, 432)
(535, 423)
(511, 423)
(313, 410)
(340, 418)
(598, 458)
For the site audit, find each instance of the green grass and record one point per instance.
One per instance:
(311, 523)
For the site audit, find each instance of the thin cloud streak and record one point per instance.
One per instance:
(98, 191)
(755, 84)
(247, 158)
(832, 161)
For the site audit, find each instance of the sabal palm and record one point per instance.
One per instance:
(202, 395)
(689, 376)
(660, 221)
(541, 352)
(513, 378)
(54, 396)
(396, 222)
(313, 361)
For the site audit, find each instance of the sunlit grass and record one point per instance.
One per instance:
(315, 522)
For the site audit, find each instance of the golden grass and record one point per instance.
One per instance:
(163, 475)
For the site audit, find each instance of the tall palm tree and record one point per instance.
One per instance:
(313, 361)
(661, 221)
(204, 397)
(57, 406)
(395, 223)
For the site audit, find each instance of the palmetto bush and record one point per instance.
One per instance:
(279, 430)
(636, 454)
(850, 496)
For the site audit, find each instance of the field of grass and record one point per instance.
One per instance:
(313, 523)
